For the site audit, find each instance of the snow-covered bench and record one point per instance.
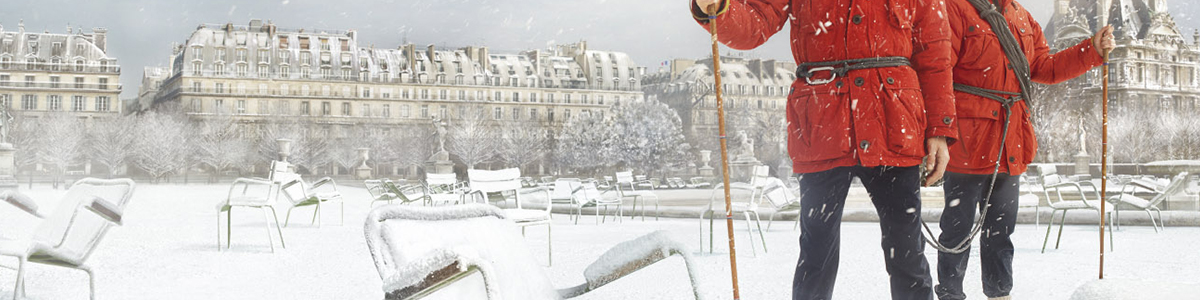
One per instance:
(473, 252)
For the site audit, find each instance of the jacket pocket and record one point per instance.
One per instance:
(820, 125)
(904, 112)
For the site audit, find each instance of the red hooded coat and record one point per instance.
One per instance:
(869, 117)
(979, 61)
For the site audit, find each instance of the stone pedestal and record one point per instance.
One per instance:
(7, 167)
(439, 163)
(705, 157)
(1082, 165)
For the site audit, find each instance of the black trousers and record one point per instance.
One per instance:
(964, 193)
(894, 191)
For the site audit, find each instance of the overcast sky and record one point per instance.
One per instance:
(651, 31)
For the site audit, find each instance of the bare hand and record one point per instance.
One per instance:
(1103, 41)
(937, 159)
(706, 4)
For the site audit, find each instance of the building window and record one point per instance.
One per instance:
(424, 94)
(218, 106)
(29, 102)
(550, 115)
(241, 107)
(263, 71)
(195, 86)
(286, 108)
(284, 71)
(498, 113)
(219, 69)
(404, 111)
(197, 105)
(262, 107)
(496, 97)
(567, 98)
(462, 95)
(600, 99)
(424, 111)
(29, 81)
(533, 97)
(77, 103)
(366, 110)
(346, 109)
(326, 108)
(219, 88)
(386, 112)
(54, 81)
(79, 82)
(566, 114)
(304, 108)
(305, 73)
(366, 93)
(533, 114)
(516, 113)
(550, 98)
(54, 102)
(516, 97)
(442, 95)
(102, 103)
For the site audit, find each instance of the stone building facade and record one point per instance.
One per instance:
(260, 71)
(42, 72)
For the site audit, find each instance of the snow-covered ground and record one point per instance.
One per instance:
(167, 250)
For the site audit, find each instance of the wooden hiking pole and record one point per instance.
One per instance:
(712, 26)
(1103, 159)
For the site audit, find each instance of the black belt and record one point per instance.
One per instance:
(841, 67)
(1006, 99)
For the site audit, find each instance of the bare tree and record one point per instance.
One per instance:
(1132, 133)
(23, 135)
(219, 143)
(161, 146)
(111, 142)
(311, 147)
(522, 144)
(61, 139)
(344, 150)
(472, 138)
(414, 146)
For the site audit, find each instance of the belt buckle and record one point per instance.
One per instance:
(832, 76)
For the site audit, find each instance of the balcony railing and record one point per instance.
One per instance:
(61, 85)
(60, 67)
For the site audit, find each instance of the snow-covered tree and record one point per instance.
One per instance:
(161, 146)
(650, 137)
(587, 143)
(219, 143)
(23, 134)
(522, 144)
(471, 138)
(344, 150)
(60, 139)
(1131, 132)
(111, 142)
(309, 147)
(414, 146)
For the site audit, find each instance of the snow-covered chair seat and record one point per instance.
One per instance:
(69, 235)
(627, 185)
(444, 188)
(472, 252)
(300, 193)
(20, 201)
(508, 181)
(1161, 193)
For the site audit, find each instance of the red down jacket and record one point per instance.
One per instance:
(979, 61)
(871, 117)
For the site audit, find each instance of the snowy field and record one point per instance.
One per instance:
(167, 250)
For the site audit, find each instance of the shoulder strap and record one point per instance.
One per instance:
(1016, 57)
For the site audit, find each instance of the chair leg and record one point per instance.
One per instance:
(1062, 220)
(288, 219)
(1048, 226)
(750, 232)
(218, 231)
(1161, 223)
(598, 220)
(1037, 215)
(549, 245)
(771, 221)
(19, 290)
(317, 215)
(1111, 247)
(1152, 223)
(633, 211)
(277, 229)
(229, 229)
(91, 283)
(342, 210)
(267, 222)
(758, 223)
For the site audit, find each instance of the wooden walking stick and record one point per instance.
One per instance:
(712, 26)
(1103, 159)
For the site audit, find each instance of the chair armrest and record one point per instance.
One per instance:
(1057, 188)
(324, 181)
(21, 201)
(290, 184)
(107, 210)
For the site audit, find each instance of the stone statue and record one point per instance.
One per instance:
(747, 144)
(441, 134)
(5, 122)
(1082, 139)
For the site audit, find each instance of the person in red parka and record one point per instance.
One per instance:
(872, 96)
(980, 64)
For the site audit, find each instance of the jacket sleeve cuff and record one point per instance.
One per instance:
(1095, 59)
(943, 126)
(702, 17)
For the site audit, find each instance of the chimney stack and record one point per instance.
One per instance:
(99, 37)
